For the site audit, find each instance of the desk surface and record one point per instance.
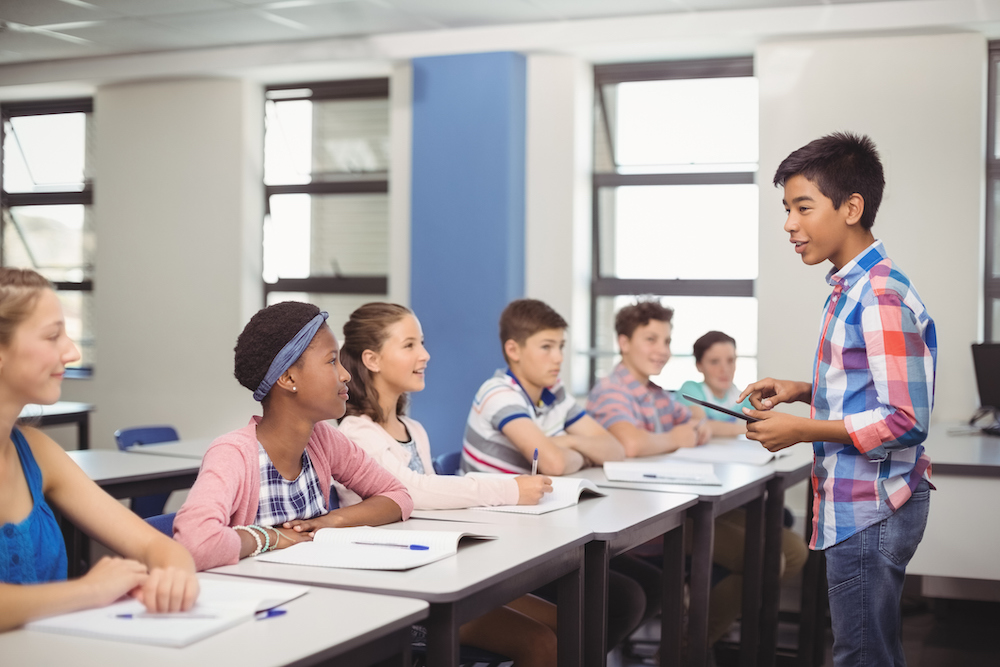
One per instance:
(605, 516)
(184, 449)
(59, 408)
(319, 626)
(962, 453)
(478, 564)
(107, 466)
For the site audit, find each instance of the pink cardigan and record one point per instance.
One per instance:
(429, 491)
(227, 490)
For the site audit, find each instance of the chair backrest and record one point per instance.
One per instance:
(163, 523)
(447, 464)
(144, 435)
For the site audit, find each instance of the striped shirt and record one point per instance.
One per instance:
(499, 401)
(874, 369)
(284, 500)
(620, 397)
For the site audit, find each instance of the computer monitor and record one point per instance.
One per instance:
(986, 359)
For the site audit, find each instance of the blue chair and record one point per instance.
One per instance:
(146, 506)
(447, 464)
(163, 523)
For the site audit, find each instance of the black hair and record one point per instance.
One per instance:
(840, 164)
(263, 337)
(708, 340)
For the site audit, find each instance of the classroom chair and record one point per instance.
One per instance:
(163, 523)
(146, 506)
(447, 464)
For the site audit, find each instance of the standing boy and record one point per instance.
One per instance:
(871, 397)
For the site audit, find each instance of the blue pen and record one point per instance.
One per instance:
(269, 613)
(534, 462)
(671, 478)
(411, 547)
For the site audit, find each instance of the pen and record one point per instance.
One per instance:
(411, 547)
(534, 462)
(269, 613)
(672, 478)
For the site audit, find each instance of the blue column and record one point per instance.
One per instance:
(467, 225)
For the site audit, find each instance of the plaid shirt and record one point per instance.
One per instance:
(875, 370)
(619, 397)
(284, 500)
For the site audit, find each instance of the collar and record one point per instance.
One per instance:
(622, 374)
(547, 399)
(855, 269)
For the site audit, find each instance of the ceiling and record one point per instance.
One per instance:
(45, 30)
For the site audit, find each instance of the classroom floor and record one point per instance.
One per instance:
(936, 633)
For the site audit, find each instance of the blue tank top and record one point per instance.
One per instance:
(32, 551)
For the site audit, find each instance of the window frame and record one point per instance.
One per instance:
(354, 89)
(608, 286)
(84, 197)
(991, 284)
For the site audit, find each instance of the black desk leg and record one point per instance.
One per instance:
(595, 608)
(753, 550)
(83, 432)
(812, 617)
(442, 636)
(569, 619)
(771, 580)
(701, 582)
(672, 616)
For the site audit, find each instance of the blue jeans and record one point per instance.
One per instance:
(865, 578)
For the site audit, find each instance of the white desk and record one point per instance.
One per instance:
(958, 555)
(62, 412)
(742, 486)
(184, 449)
(482, 576)
(620, 521)
(325, 626)
(125, 475)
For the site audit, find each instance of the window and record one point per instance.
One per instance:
(675, 205)
(326, 162)
(991, 279)
(46, 201)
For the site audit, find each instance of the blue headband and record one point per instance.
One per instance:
(292, 350)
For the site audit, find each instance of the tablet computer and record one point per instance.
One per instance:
(713, 406)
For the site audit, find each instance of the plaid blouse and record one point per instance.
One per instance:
(875, 370)
(283, 500)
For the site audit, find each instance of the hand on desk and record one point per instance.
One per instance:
(531, 488)
(168, 589)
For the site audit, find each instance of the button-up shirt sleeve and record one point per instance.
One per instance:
(902, 373)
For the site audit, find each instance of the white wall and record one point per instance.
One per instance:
(557, 198)
(179, 198)
(922, 100)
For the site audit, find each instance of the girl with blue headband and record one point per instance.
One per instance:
(267, 485)
(36, 476)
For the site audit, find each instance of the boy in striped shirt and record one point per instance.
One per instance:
(871, 397)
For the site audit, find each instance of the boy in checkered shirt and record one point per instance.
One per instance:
(871, 397)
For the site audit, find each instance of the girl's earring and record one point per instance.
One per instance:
(295, 389)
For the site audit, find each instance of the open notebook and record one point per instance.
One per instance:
(732, 451)
(566, 492)
(661, 472)
(221, 605)
(364, 548)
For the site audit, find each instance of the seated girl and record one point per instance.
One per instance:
(267, 485)
(384, 352)
(36, 476)
(715, 359)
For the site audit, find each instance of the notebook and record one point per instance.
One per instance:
(661, 472)
(566, 492)
(221, 605)
(733, 451)
(364, 548)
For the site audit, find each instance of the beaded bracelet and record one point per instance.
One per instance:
(254, 535)
(267, 537)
